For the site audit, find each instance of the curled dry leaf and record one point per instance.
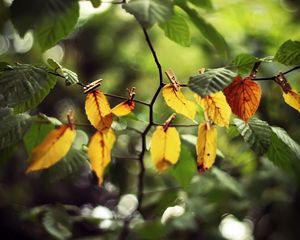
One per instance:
(165, 147)
(98, 110)
(177, 101)
(52, 149)
(99, 151)
(292, 98)
(123, 108)
(216, 108)
(206, 146)
(243, 96)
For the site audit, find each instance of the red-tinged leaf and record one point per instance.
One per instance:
(243, 96)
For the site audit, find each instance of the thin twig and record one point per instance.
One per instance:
(126, 98)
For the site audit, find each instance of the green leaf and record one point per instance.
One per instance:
(211, 81)
(288, 53)
(58, 27)
(23, 86)
(186, 167)
(206, 4)
(177, 30)
(256, 133)
(13, 128)
(207, 30)
(284, 137)
(41, 126)
(244, 63)
(149, 12)
(37, 14)
(227, 181)
(74, 162)
(96, 3)
(70, 77)
(281, 154)
(57, 223)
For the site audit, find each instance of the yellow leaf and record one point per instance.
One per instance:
(292, 98)
(53, 148)
(206, 146)
(216, 108)
(99, 151)
(98, 110)
(123, 108)
(165, 147)
(177, 101)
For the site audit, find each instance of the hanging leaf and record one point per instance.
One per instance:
(57, 27)
(70, 77)
(211, 81)
(13, 127)
(37, 132)
(52, 149)
(207, 29)
(288, 53)
(23, 86)
(149, 12)
(206, 146)
(243, 96)
(99, 151)
(216, 108)
(123, 108)
(98, 110)
(165, 147)
(256, 133)
(177, 101)
(244, 63)
(177, 30)
(292, 98)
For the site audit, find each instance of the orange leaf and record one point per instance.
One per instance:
(177, 101)
(165, 147)
(98, 110)
(206, 146)
(292, 98)
(99, 150)
(243, 96)
(123, 108)
(216, 108)
(53, 148)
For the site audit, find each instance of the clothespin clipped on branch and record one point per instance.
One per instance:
(93, 85)
(283, 82)
(169, 121)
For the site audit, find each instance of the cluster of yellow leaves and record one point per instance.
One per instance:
(165, 145)
(59, 141)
